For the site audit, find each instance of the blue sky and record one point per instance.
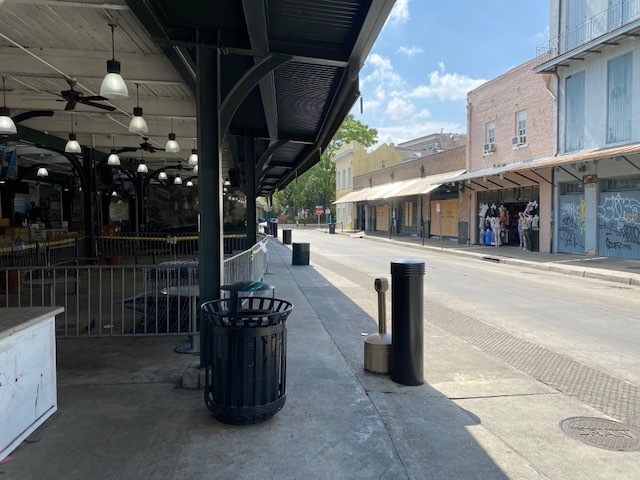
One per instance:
(430, 54)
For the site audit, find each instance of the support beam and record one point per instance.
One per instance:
(210, 249)
(242, 88)
(250, 173)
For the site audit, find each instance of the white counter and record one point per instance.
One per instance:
(27, 372)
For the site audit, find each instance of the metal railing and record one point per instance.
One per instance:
(119, 300)
(603, 23)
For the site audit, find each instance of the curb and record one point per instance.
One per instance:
(605, 275)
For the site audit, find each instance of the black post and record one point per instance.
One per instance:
(250, 172)
(210, 250)
(407, 319)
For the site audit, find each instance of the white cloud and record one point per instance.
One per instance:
(400, 13)
(401, 133)
(398, 109)
(410, 51)
(441, 66)
(446, 86)
(544, 35)
(383, 71)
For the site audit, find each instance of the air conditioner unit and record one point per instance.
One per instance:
(515, 140)
(489, 147)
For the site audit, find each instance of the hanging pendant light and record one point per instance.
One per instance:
(113, 85)
(177, 180)
(7, 126)
(162, 175)
(114, 194)
(142, 167)
(189, 183)
(193, 158)
(72, 145)
(42, 172)
(113, 159)
(172, 146)
(138, 124)
(195, 169)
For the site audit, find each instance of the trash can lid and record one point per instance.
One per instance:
(247, 287)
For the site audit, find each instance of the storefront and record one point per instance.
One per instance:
(504, 216)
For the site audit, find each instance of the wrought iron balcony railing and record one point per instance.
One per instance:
(608, 21)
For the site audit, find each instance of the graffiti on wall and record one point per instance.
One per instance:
(619, 224)
(572, 224)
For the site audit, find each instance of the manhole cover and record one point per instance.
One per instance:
(602, 433)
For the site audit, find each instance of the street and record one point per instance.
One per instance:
(578, 335)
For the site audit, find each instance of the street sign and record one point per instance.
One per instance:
(319, 211)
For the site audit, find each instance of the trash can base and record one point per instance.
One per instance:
(246, 415)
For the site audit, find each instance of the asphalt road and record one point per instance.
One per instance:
(586, 322)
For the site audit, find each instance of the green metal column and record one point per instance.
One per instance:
(250, 173)
(210, 248)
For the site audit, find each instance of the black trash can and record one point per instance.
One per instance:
(245, 354)
(286, 237)
(332, 228)
(300, 254)
(274, 229)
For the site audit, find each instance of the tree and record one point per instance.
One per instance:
(317, 185)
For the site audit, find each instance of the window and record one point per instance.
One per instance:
(491, 133)
(349, 177)
(521, 127)
(619, 99)
(575, 27)
(574, 112)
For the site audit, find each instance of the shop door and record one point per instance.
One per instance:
(448, 218)
(619, 225)
(382, 218)
(571, 224)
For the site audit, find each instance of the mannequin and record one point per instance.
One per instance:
(526, 231)
(521, 229)
(495, 226)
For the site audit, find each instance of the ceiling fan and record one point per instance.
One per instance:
(145, 145)
(73, 97)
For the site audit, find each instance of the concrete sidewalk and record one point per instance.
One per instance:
(123, 415)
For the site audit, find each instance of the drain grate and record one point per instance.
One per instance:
(602, 433)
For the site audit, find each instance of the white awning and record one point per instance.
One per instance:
(428, 184)
(413, 186)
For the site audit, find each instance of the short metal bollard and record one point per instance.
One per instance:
(245, 355)
(286, 236)
(407, 319)
(377, 347)
(300, 254)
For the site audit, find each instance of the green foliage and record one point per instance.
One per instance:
(317, 186)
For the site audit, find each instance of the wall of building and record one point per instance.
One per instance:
(441, 162)
(499, 100)
(345, 159)
(595, 68)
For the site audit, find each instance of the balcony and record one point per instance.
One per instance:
(607, 28)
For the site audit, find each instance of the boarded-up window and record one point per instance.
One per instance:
(619, 99)
(408, 214)
(574, 112)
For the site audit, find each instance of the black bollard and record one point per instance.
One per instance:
(407, 320)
